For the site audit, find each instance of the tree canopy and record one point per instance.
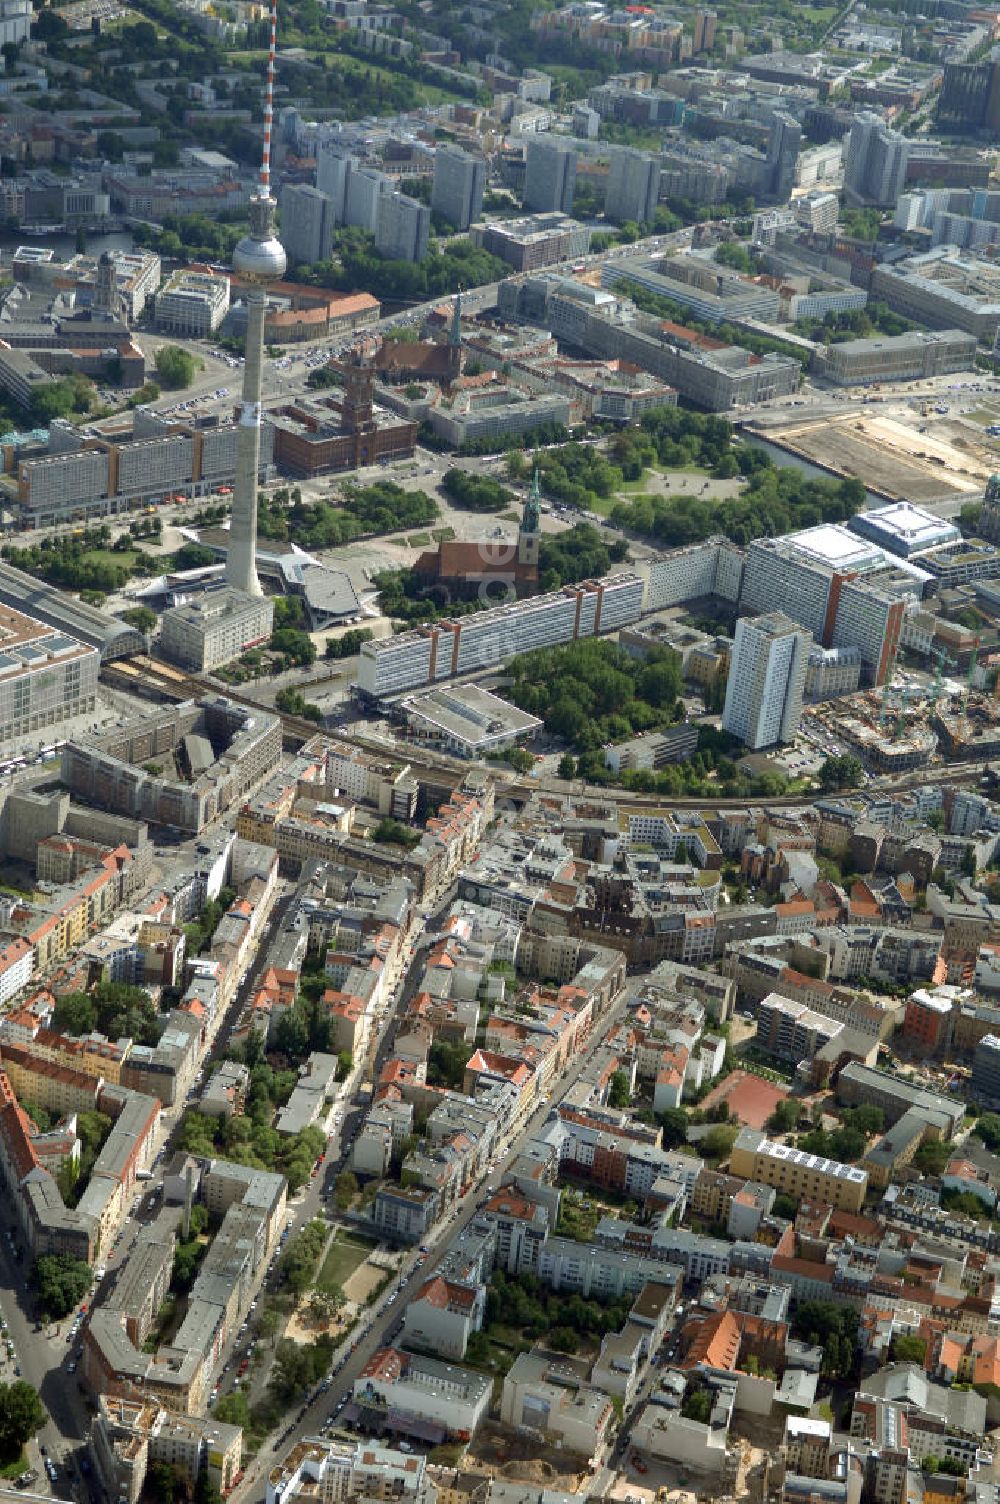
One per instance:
(987, 1128)
(116, 1009)
(61, 1282)
(175, 366)
(844, 772)
(447, 268)
(21, 1415)
(476, 493)
(591, 692)
(250, 1140)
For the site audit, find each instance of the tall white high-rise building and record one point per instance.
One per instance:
(459, 184)
(365, 186)
(767, 678)
(258, 260)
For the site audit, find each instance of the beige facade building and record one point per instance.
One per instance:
(797, 1173)
(913, 356)
(130, 1434)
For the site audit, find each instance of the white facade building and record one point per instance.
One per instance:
(766, 680)
(488, 638)
(216, 628)
(192, 304)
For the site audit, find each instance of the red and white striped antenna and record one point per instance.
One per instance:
(265, 166)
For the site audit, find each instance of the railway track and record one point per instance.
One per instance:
(142, 674)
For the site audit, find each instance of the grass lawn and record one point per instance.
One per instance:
(443, 534)
(15, 1466)
(640, 485)
(124, 558)
(419, 540)
(346, 1254)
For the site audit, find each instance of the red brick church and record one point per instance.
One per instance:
(496, 566)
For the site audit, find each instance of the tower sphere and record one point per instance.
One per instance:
(260, 260)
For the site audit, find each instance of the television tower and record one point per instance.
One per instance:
(258, 259)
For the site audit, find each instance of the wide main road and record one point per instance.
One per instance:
(374, 1331)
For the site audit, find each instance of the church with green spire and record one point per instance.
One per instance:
(529, 535)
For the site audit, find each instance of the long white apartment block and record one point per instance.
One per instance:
(714, 567)
(488, 638)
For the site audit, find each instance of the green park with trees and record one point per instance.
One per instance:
(591, 692)
(448, 267)
(365, 511)
(247, 1140)
(115, 1009)
(89, 561)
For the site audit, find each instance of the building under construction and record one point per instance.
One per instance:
(973, 734)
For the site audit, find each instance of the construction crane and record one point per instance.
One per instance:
(968, 678)
(902, 710)
(943, 663)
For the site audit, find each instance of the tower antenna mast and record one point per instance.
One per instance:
(258, 260)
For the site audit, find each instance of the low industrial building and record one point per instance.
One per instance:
(468, 720)
(216, 627)
(903, 529)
